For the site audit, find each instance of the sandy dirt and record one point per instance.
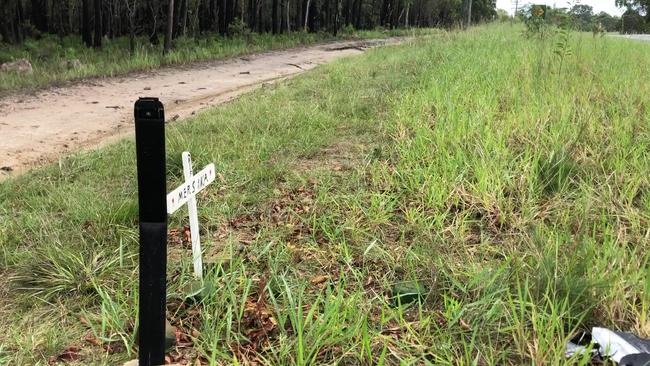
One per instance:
(36, 129)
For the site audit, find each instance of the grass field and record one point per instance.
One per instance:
(49, 55)
(505, 186)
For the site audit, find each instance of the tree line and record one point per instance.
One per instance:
(579, 17)
(636, 18)
(96, 20)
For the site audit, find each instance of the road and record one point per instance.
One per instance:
(36, 129)
(637, 37)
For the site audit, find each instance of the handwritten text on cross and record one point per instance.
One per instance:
(186, 193)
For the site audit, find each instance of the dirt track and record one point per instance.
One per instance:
(40, 128)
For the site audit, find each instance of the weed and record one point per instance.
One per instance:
(562, 48)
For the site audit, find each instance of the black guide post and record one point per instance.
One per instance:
(152, 190)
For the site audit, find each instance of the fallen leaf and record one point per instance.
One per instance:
(69, 354)
(83, 321)
(187, 234)
(92, 340)
(369, 281)
(319, 279)
(113, 347)
(464, 325)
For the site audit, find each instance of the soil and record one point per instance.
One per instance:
(39, 128)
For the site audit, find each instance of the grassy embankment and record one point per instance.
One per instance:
(515, 193)
(50, 54)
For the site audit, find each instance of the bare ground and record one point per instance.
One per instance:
(36, 129)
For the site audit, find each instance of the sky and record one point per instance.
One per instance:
(599, 5)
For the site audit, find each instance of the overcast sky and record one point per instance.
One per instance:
(599, 5)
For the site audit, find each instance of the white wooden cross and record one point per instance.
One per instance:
(186, 193)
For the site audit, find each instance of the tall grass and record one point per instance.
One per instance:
(510, 193)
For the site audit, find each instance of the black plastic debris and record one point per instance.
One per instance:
(626, 349)
(637, 359)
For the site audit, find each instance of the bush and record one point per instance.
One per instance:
(348, 30)
(503, 16)
(238, 28)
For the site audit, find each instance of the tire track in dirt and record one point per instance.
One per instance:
(36, 129)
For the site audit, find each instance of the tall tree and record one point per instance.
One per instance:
(641, 6)
(299, 13)
(259, 20)
(153, 22)
(6, 23)
(177, 20)
(170, 27)
(12, 18)
(274, 17)
(223, 17)
(406, 10)
(384, 15)
(288, 11)
(357, 17)
(307, 6)
(97, 19)
(251, 14)
(39, 14)
(131, 7)
(184, 10)
(86, 32)
(59, 17)
(18, 22)
(338, 15)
